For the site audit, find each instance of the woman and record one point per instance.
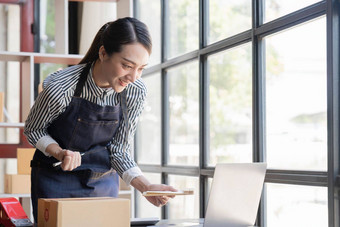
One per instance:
(85, 116)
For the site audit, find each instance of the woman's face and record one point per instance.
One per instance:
(120, 69)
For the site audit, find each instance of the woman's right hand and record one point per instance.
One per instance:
(69, 159)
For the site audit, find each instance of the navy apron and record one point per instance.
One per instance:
(84, 127)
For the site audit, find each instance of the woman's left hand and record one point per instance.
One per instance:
(159, 200)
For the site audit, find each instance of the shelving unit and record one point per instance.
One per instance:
(27, 61)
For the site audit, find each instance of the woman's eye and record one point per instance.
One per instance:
(127, 66)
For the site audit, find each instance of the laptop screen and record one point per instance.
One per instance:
(235, 194)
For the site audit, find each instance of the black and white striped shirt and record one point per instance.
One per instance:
(59, 88)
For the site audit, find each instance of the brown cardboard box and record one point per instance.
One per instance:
(2, 103)
(74, 212)
(24, 157)
(17, 184)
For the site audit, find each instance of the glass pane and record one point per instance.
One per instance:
(183, 27)
(149, 12)
(149, 125)
(237, 11)
(184, 207)
(184, 119)
(47, 26)
(144, 209)
(295, 206)
(277, 8)
(296, 98)
(230, 93)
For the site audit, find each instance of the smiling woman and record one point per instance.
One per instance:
(85, 116)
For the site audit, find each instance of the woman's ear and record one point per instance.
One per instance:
(101, 52)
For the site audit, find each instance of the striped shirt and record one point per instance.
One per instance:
(59, 88)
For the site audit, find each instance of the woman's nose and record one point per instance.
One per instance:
(133, 76)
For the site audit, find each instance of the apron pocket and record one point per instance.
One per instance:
(88, 132)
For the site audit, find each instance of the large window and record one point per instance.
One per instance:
(245, 81)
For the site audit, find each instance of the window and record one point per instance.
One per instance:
(296, 205)
(230, 98)
(279, 8)
(183, 109)
(247, 81)
(296, 97)
(183, 27)
(221, 11)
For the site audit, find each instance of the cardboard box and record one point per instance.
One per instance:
(24, 157)
(74, 212)
(17, 184)
(2, 103)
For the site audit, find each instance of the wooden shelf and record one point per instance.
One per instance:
(69, 59)
(14, 56)
(11, 125)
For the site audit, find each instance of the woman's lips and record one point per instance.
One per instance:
(122, 83)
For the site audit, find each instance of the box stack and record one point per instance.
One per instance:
(20, 183)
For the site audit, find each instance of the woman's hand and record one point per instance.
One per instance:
(69, 159)
(142, 185)
(159, 200)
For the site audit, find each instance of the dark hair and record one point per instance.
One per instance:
(116, 33)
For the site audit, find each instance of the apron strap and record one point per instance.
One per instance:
(123, 103)
(82, 80)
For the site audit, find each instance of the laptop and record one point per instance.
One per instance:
(234, 197)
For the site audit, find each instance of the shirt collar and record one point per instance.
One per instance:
(97, 91)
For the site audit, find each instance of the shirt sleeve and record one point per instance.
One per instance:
(121, 160)
(47, 107)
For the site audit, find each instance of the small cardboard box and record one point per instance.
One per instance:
(2, 103)
(17, 184)
(24, 157)
(74, 212)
